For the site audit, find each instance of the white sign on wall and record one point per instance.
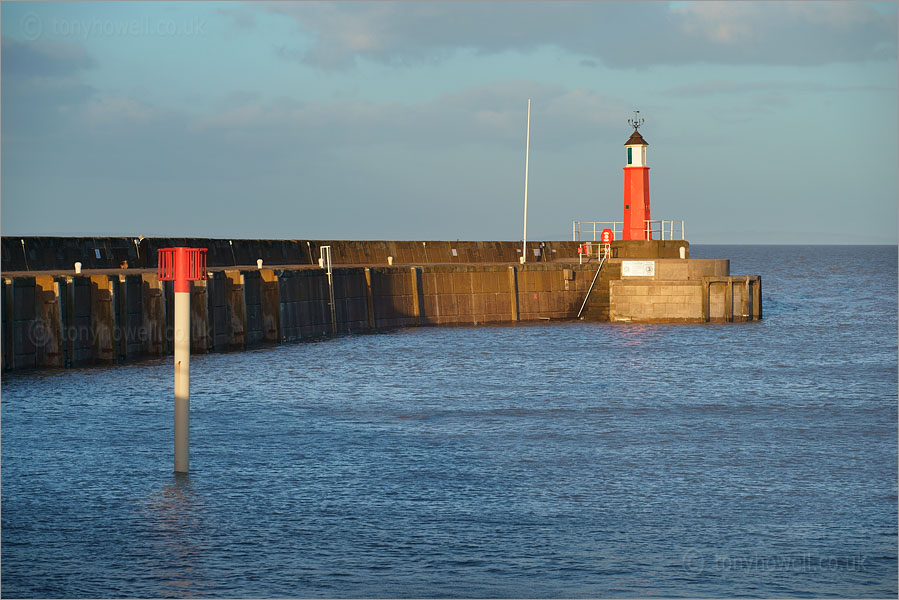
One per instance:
(638, 268)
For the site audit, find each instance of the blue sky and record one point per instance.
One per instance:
(768, 122)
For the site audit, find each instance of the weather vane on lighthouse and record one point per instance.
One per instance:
(636, 122)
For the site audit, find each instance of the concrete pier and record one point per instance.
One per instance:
(60, 253)
(103, 316)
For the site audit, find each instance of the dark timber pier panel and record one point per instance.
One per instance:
(112, 318)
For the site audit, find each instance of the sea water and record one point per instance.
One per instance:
(560, 459)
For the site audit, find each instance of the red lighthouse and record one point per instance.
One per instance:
(636, 185)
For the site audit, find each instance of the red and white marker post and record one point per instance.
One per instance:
(182, 265)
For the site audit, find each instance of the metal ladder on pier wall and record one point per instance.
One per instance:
(593, 283)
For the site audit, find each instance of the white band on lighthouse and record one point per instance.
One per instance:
(636, 156)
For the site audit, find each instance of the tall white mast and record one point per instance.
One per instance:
(527, 149)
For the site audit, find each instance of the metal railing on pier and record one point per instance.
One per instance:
(663, 229)
(593, 229)
(588, 251)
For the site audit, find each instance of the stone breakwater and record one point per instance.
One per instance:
(54, 318)
(111, 318)
(61, 253)
(26, 254)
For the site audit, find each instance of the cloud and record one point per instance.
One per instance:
(790, 33)
(41, 86)
(621, 35)
(486, 114)
(243, 18)
(43, 58)
(116, 151)
(111, 111)
(720, 86)
(457, 158)
(62, 132)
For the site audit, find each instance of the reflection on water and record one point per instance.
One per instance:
(632, 336)
(174, 516)
(549, 460)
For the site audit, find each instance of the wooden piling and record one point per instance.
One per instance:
(46, 331)
(706, 292)
(729, 299)
(513, 293)
(271, 306)
(744, 301)
(416, 295)
(369, 301)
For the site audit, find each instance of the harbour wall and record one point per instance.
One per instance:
(105, 315)
(709, 299)
(689, 291)
(74, 320)
(28, 254)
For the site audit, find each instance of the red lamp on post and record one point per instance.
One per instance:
(182, 265)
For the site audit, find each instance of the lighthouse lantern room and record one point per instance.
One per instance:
(636, 185)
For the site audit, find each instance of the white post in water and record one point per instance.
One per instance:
(182, 379)
(182, 265)
(527, 149)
